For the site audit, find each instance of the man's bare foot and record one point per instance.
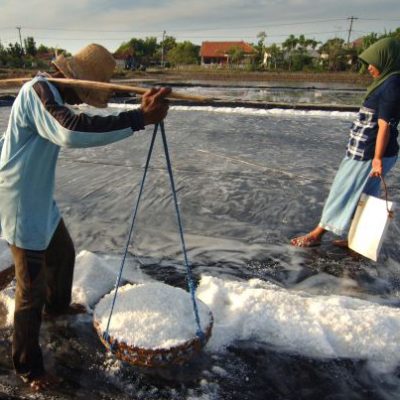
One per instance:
(308, 240)
(73, 309)
(343, 243)
(43, 382)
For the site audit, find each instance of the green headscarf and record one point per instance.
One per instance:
(384, 55)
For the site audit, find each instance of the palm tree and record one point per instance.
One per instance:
(289, 45)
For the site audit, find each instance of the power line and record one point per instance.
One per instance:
(379, 19)
(193, 29)
(264, 26)
(189, 36)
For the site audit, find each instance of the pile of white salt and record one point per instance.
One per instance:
(151, 316)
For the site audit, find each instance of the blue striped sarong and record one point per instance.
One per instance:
(350, 181)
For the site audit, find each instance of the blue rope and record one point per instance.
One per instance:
(190, 280)
(106, 334)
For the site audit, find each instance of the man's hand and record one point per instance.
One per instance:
(155, 105)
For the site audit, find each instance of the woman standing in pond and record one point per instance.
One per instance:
(372, 149)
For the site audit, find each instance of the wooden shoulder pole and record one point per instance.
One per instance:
(15, 82)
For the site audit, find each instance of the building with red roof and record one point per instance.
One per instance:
(220, 52)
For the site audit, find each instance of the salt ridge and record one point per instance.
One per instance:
(253, 111)
(294, 321)
(315, 326)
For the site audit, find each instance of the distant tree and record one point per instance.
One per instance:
(165, 46)
(43, 49)
(275, 56)
(169, 43)
(184, 53)
(300, 59)
(236, 55)
(305, 44)
(14, 55)
(260, 47)
(336, 52)
(289, 45)
(3, 54)
(262, 37)
(297, 52)
(30, 46)
(373, 37)
(15, 50)
(59, 50)
(396, 33)
(370, 39)
(143, 50)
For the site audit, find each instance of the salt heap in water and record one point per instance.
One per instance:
(151, 316)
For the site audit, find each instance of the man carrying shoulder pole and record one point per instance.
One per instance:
(43, 252)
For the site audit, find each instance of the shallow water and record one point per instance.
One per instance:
(280, 94)
(246, 184)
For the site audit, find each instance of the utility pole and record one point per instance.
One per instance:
(350, 28)
(162, 49)
(20, 38)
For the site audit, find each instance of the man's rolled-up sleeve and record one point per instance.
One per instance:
(62, 126)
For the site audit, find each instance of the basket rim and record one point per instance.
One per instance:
(132, 347)
(209, 326)
(155, 358)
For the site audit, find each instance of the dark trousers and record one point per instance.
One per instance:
(44, 280)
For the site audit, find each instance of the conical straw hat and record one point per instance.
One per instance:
(93, 63)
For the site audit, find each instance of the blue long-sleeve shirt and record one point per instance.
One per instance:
(39, 125)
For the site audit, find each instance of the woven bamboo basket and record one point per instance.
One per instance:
(156, 357)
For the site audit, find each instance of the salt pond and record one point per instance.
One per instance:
(289, 323)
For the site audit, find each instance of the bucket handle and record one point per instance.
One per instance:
(390, 213)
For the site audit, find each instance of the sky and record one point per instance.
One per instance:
(73, 24)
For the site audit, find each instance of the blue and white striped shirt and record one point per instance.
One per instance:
(383, 103)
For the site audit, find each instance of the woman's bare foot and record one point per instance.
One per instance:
(312, 239)
(306, 241)
(43, 382)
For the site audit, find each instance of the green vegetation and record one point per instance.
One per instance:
(302, 54)
(28, 55)
(296, 54)
(185, 53)
(147, 52)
